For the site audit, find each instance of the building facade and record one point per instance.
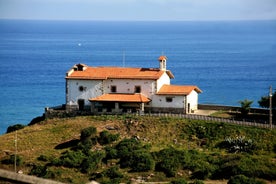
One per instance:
(121, 89)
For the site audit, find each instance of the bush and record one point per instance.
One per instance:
(238, 144)
(111, 153)
(107, 138)
(43, 158)
(36, 120)
(141, 161)
(127, 146)
(199, 163)
(92, 161)
(179, 181)
(39, 170)
(10, 161)
(42, 171)
(198, 182)
(241, 179)
(201, 174)
(86, 144)
(169, 161)
(247, 165)
(111, 181)
(13, 128)
(113, 173)
(71, 159)
(88, 133)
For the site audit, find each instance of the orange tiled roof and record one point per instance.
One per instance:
(117, 73)
(115, 97)
(177, 90)
(162, 58)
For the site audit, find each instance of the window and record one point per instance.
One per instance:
(137, 89)
(169, 99)
(81, 88)
(113, 89)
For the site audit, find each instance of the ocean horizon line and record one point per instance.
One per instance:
(110, 20)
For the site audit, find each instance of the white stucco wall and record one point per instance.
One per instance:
(192, 98)
(164, 79)
(148, 87)
(128, 86)
(94, 88)
(160, 101)
(91, 89)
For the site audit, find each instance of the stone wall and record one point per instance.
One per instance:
(164, 110)
(230, 108)
(63, 113)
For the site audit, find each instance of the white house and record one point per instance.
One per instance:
(122, 89)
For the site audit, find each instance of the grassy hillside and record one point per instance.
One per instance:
(192, 149)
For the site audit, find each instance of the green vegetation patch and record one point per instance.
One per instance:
(112, 149)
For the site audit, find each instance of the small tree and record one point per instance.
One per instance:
(245, 106)
(264, 101)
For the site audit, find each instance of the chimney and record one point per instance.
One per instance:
(162, 63)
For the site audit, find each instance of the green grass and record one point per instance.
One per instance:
(158, 132)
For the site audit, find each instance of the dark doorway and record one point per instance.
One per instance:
(81, 104)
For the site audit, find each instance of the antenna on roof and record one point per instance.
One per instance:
(124, 58)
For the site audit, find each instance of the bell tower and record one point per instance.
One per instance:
(162, 63)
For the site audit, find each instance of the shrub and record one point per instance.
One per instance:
(241, 179)
(111, 153)
(198, 182)
(127, 146)
(42, 171)
(141, 161)
(86, 145)
(10, 161)
(169, 161)
(89, 132)
(13, 128)
(107, 138)
(91, 162)
(43, 158)
(198, 163)
(113, 173)
(238, 144)
(72, 159)
(39, 170)
(179, 181)
(201, 174)
(36, 120)
(111, 181)
(247, 165)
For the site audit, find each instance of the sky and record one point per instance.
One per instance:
(140, 10)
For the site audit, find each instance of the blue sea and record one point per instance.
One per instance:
(229, 61)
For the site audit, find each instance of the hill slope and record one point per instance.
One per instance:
(200, 143)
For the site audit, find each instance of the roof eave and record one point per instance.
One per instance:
(169, 73)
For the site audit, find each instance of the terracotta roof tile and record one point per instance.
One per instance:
(115, 97)
(177, 90)
(162, 58)
(117, 73)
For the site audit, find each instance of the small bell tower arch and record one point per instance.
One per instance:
(162, 63)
